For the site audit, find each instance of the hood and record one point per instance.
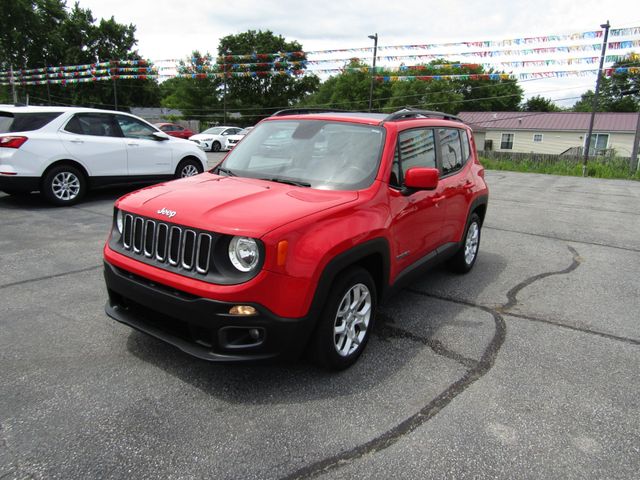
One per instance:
(231, 205)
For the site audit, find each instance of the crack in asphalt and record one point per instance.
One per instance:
(558, 204)
(385, 331)
(551, 237)
(427, 412)
(48, 277)
(474, 373)
(513, 293)
(575, 328)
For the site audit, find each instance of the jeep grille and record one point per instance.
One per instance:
(167, 245)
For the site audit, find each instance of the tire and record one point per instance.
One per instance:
(188, 168)
(64, 185)
(465, 258)
(351, 305)
(216, 146)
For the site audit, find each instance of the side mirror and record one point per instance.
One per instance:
(160, 136)
(420, 178)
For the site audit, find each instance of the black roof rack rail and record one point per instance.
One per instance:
(302, 111)
(409, 112)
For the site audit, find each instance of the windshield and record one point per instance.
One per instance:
(312, 153)
(214, 131)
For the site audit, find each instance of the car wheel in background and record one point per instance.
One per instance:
(64, 185)
(188, 168)
(215, 147)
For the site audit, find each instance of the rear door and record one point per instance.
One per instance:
(94, 140)
(146, 154)
(456, 179)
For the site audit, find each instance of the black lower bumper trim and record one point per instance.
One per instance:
(16, 183)
(202, 327)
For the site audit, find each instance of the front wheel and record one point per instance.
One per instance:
(216, 146)
(64, 185)
(346, 321)
(188, 168)
(465, 257)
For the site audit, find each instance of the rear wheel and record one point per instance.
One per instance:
(64, 185)
(188, 168)
(465, 257)
(346, 321)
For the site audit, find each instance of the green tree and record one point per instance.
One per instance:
(619, 92)
(197, 98)
(278, 81)
(350, 89)
(62, 36)
(538, 103)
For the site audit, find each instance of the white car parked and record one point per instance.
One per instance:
(214, 139)
(64, 151)
(232, 140)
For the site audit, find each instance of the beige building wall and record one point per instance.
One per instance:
(555, 142)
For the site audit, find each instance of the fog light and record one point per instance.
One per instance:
(254, 333)
(245, 310)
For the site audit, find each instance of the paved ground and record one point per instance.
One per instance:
(525, 368)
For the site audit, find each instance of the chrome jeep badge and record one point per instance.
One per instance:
(167, 212)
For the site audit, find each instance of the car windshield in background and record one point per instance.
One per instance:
(25, 122)
(319, 154)
(214, 131)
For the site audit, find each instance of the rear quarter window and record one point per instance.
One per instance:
(25, 122)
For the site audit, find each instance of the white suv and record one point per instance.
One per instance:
(64, 151)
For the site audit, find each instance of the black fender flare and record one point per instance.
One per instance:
(356, 255)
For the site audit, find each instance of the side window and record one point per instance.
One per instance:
(466, 149)
(96, 124)
(132, 128)
(395, 180)
(451, 150)
(417, 149)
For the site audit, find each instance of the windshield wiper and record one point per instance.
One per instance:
(287, 181)
(227, 171)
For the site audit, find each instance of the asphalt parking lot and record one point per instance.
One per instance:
(528, 367)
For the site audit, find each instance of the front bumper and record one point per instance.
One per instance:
(199, 326)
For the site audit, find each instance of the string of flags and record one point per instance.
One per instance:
(298, 63)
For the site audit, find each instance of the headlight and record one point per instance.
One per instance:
(244, 253)
(119, 221)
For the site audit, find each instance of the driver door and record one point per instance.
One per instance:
(146, 155)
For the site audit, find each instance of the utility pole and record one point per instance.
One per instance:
(587, 147)
(635, 162)
(226, 52)
(115, 94)
(46, 72)
(12, 81)
(373, 37)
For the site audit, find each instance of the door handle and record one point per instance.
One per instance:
(133, 144)
(76, 140)
(438, 198)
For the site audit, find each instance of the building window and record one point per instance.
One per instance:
(599, 142)
(537, 138)
(507, 141)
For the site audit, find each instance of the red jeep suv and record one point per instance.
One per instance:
(289, 244)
